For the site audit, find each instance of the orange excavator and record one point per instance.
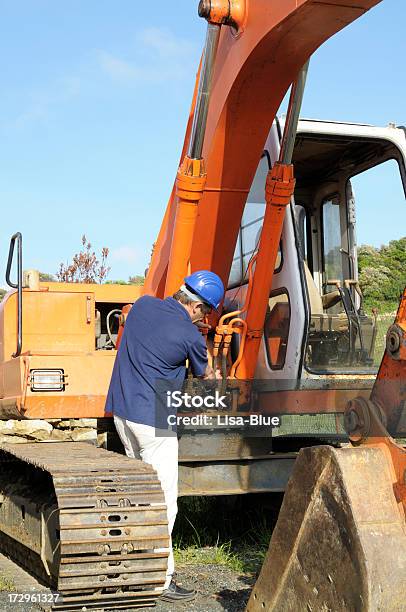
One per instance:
(91, 522)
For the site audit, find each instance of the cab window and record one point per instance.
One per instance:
(276, 328)
(332, 250)
(251, 226)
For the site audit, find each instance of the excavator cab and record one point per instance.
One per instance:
(339, 543)
(341, 337)
(316, 325)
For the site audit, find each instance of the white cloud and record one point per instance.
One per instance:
(125, 254)
(164, 42)
(57, 92)
(158, 56)
(117, 68)
(155, 56)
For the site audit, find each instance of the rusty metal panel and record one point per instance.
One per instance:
(217, 445)
(234, 477)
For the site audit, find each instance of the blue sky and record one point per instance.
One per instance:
(93, 108)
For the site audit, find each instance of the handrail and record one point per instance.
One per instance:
(17, 237)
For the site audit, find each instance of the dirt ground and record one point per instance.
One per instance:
(218, 588)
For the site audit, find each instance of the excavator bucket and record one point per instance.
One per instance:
(340, 540)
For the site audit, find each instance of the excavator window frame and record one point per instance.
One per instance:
(304, 228)
(334, 197)
(401, 165)
(243, 280)
(274, 294)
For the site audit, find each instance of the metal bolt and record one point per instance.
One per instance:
(204, 9)
(393, 340)
(351, 421)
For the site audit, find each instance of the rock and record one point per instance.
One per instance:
(77, 423)
(33, 429)
(102, 440)
(64, 425)
(39, 430)
(13, 440)
(84, 435)
(60, 435)
(6, 427)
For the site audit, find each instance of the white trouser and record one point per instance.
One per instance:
(140, 442)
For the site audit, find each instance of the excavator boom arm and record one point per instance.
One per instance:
(254, 67)
(246, 69)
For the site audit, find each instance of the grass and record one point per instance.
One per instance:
(209, 555)
(384, 321)
(6, 584)
(232, 532)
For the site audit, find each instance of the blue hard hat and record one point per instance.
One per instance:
(207, 285)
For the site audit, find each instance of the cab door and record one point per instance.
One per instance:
(282, 345)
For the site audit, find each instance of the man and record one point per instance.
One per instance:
(159, 335)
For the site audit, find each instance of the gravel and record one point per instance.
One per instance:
(218, 588)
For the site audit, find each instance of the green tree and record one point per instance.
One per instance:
(133, 280)
(382, 273)
(2, 293)
(136, 280)
(44, 277)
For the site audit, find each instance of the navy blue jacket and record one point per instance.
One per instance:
(158, 338)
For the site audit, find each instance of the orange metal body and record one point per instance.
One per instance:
(280, 186)
(58, 332)
(190, 183)
(230, 12)
(253, 71)
(377, 420)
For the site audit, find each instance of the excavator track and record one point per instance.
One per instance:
(90, 522)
